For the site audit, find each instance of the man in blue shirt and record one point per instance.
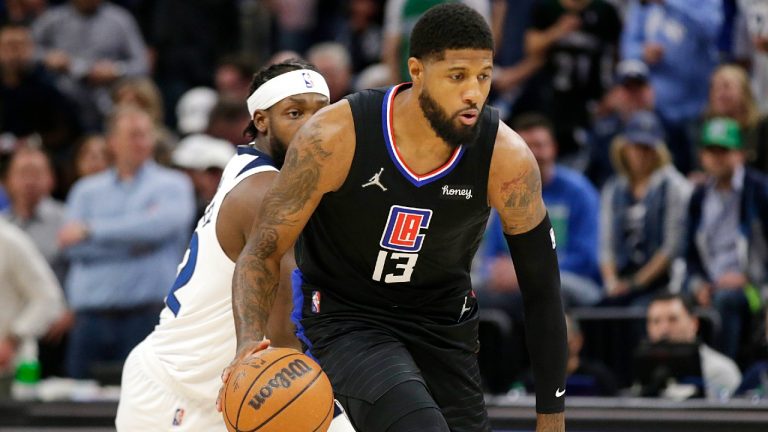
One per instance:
(573, 205)
(126, 231)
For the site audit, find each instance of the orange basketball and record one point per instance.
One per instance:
(278, 390)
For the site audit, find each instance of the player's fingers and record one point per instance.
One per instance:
(218, 399)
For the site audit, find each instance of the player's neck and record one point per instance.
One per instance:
(261, 143)
(418, 144)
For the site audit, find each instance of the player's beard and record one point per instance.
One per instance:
(445, 126)
(278, 149)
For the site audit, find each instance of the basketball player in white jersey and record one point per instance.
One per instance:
(171, 380)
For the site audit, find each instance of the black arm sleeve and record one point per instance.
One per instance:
(538, 273)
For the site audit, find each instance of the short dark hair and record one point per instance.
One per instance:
(449, 26)
(533, 120)
(267, 73)
(686, 300)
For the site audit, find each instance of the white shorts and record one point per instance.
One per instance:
(147, 404)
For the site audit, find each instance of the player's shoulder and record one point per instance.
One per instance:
(509, 145)
(330, 127)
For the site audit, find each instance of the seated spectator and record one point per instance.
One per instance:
(670, 318)
(573, 204)
(143, 92)
(584, 377)
(227, 121)
(90, 44)
(730, 96)
(30, 181)
(631, 93)
(727, 236)
(125, 233)
(335, 65)
(91, 156)
(194, 108)
(642, 214)
(203, 158)
(30, 297)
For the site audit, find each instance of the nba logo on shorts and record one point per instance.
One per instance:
(315, 301)
(404, 224)
(178, 417)
(307, 80)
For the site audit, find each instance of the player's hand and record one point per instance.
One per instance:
(244, 352)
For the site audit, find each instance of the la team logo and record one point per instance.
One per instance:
(403, 230)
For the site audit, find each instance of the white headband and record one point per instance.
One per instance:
(285, 85)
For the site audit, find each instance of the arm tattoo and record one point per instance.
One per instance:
(256, 279)
(521, 198)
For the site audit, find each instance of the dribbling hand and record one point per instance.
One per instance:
(244, 352)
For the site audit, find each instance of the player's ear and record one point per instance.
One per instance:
(261, 121)
(416, 69)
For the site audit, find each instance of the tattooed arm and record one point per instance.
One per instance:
(514, 189)
(317, 162)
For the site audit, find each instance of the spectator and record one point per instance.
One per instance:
(194, 108)
(227, 121)
(30, 102)
(670, 318)
(143, 92)
(335, 65)
(203, 158)
(30, 297)
(751, 45)
(360, 33)
(126, 231)
(30, 181)
(573, 204)
(90, 44)
(727, 236)
(642, 216)
(678, 41)
(577, 39)
(232, 78)
(731, 96)
(92, 156)
(631, 93)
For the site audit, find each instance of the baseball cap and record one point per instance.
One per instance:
(644, 128)
(721, 132)
(193, 109)
(631, 70)
(200, 152)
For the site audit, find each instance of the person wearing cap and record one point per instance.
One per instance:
(632, 92)
(642, 214)
(171, 379)
(727, 236)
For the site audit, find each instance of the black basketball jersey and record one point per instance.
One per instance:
(390, 239)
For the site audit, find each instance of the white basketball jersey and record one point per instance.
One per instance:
(195, 339)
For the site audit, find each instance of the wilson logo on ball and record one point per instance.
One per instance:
(283, 379)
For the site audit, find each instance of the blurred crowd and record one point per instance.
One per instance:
(647, 118)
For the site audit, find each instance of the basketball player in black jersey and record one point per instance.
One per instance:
(388, 193)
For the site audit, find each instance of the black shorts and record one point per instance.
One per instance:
(364, 357)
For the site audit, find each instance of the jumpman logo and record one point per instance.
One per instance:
(376, 181)
(464, 308)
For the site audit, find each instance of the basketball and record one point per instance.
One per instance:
(278, 390)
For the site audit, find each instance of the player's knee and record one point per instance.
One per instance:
(407, 406)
